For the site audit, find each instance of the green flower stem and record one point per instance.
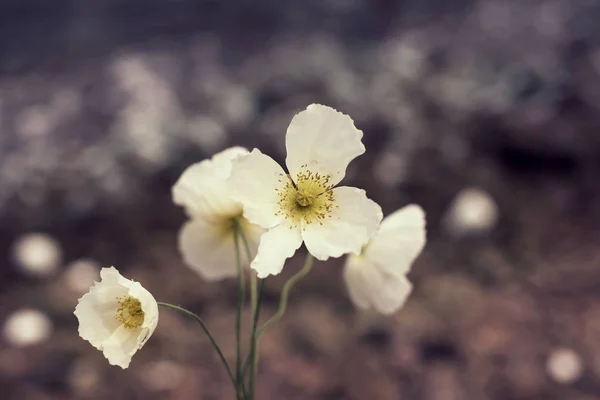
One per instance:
(238, 321)
(255, 300)
(210, 337)
(308, 263)
(253, 357)
(254, 328)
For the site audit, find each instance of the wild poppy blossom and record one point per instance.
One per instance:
(117, 316)
(305, 205)
(376, 278)
(206, 241)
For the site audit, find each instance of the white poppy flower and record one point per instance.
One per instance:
(304, 205)
(206, 241)
(377, 277)
(117, 316)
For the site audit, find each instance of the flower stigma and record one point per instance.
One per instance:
(130, 313)
(310, 199)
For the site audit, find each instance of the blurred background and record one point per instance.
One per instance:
(485, 112)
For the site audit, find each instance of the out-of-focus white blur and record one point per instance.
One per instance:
(472, 211)
(81, 274)
(564, 365)
(27, 327)
(37, 254)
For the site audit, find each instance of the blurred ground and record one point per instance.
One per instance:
(104, 103)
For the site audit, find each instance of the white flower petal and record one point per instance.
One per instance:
(202, 188)
(122, 345)
(252, 233)
(371, 287)
(96, 309)
(277, 245)
(400, 239)
(222, 160)
(354, 220)
(111, 276)
(97, 313)
(255, 179)
(392, 294)
(95, 322)
(357, 283)
(207, 250)
(323, 138)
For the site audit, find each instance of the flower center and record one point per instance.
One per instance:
(226, 225)
(310, 199)
(130, 313)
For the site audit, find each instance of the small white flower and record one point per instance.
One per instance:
(377, 277)
(117, 316)
(304, 205)
(206, 241)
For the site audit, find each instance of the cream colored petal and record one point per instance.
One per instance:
(357, 282)
(253, 234)
(324, 138)
(222, 160)
(400, 239)
(111, 276)
(96, 310)
(277, 245)
(255, 179)
(371, 287)
(354, 221)
(208, 249)
(392, 294)
(95, 322)
(203, 190)
(122, 345)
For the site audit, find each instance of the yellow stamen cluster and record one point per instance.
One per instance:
(309, 200)
(130, 313)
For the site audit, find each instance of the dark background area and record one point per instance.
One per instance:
(103, 103)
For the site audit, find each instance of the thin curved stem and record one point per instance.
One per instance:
(256, 289)
(261, 285)
(240, 306)
(285, 294)
(253, 356)
(210, 337)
